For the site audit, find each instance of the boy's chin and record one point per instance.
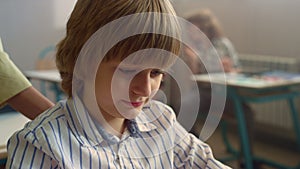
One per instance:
(131, 114)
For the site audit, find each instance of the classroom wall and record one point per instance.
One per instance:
(268, 27)
(255, 26)
(26, 27)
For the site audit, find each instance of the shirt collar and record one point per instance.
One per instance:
(143, 121)
(89, 133)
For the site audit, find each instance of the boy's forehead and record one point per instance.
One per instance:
(128, 65)
(144, 59)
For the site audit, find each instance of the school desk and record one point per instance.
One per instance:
(51, 76)
(265, 87)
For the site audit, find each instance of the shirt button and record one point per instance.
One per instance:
(118, 159)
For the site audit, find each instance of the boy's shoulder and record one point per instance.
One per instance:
(54, 113)
(38, 132)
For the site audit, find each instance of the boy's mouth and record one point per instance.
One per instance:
(134, 104)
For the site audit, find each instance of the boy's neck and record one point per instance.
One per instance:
(114, 125)
(117, 126)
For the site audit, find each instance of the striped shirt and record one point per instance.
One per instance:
(66, 137)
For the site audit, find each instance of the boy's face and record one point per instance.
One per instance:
(128, 97)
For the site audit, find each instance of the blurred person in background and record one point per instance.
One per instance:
(208, 24)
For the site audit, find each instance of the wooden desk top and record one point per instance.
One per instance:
(10, 122)
(47, 75)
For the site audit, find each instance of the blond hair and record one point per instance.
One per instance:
(90, 15)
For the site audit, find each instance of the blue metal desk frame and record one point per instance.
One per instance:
(265, 95)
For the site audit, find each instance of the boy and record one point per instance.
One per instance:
(110, 75)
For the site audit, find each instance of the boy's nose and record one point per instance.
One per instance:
(141, 84)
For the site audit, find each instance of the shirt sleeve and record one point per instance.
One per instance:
(190, 152)
(24, 151)
(11, 78)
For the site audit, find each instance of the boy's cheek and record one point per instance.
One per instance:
(120, 90)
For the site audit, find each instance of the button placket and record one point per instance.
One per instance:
(118, 160)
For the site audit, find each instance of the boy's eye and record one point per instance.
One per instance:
(127, 70)
(156, 72)
(153, 73)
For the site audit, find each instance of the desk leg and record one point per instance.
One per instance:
(296, 120)
(243, 132)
